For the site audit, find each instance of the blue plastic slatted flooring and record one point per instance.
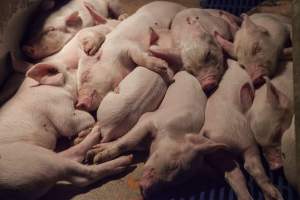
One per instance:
(233, 6)
(226, 193)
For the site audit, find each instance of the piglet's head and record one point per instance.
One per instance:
(270, 117)
(50, 33)
(93, 82)
(173, 162)
(53, 74)
(255, 50)
(203, 58)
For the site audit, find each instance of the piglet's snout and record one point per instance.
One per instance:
(209, 84)
(147, 182)
(84, 103)
(257, 75)
(29, 50)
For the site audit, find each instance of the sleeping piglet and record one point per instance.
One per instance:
(86, 42)
(259, 44)
(124, 49)
(59, 23)
(176, 148)
(226, 122)
(271, 113)
(30, 124)
(140, 91)
(193, 45)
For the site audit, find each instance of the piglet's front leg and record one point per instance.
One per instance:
(91, 39)
(78, 151)
(108, 151)
(157, 65)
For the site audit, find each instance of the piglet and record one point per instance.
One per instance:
(59, 23)
(31, 122)
(226, 122)
(289, 155)
(124, 49)
(194, 46)
(139, 92)
(259, 44)
(271, 113)
(86, 42)
(176, 148)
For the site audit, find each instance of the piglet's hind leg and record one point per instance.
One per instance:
(128, 142)
(254, 167)
(78, 152)
(83, 175)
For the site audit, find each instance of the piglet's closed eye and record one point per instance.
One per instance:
(276, 98)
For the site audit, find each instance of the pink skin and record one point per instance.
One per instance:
(226, 122)
(85, 101)
(260, 44)
(209, 84)
(124, 49)
(39, 127)
(196, 49)
(53, 30)
(86, 42)
(257, 73)
(139, 92)
(176, 149)
(37, 50)
(271, 113)
(288, 153)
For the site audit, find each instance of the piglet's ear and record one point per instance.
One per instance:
(74, 20)
(247, 23)
(225, 44)
(250, 26)
(46, 74)
(171, 55)
(98, 18)
(154, 36)
(205, 145)
(246, 96)
(275, 97)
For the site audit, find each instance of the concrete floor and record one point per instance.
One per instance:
(125, 186)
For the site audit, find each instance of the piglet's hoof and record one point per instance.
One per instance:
(90, 45)
(103, 156)
(94, 151)
(81, 136)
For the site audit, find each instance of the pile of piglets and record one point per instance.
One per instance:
(193, 87)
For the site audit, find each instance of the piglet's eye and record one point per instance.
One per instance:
(50, 28)
(256, 49)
